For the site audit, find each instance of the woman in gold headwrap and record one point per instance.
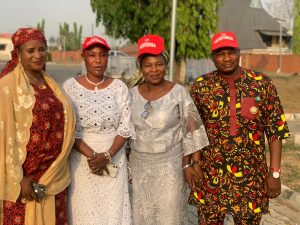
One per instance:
(169, 134)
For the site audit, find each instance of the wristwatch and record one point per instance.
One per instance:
(275, 172)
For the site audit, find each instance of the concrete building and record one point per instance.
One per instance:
(256, 30)
(6, 47)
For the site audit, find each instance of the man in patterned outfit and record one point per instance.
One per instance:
(238, 107)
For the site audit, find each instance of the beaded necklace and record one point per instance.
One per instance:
(95, 84)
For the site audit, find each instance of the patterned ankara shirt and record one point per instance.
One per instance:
(237, 115)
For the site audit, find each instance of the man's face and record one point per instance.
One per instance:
(226, 60)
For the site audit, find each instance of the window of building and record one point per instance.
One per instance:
(2, 47)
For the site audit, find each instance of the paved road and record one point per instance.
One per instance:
(62, 72)
(58, 71)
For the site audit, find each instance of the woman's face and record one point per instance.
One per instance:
(153, 68)
(33, 55)
(95, 59)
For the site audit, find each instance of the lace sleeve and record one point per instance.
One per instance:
(125, 128)
(195, 137)
(68, 89)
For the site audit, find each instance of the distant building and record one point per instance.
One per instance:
(130, 50)
(256, 30)
(6, 47)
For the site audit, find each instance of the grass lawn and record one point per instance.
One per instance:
(288, 88)
(289, 91)
(290, 167)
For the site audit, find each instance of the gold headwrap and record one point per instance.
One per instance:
(138, 78)
(164, 54)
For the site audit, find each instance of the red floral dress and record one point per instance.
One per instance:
(237, 115)
(45, 144)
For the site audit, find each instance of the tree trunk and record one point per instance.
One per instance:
(181, 72)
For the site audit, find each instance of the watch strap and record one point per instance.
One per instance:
(273, 169)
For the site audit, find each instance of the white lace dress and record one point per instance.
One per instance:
(172, 129)
(101, 115)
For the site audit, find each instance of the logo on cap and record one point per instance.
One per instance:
(92, 41)
(89, 41)
(147, 44)
(151, 44)
(224, 39)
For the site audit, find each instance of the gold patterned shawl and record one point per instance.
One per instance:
(136, 79)
(16, 103)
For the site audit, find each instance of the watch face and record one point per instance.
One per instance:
(276, 174)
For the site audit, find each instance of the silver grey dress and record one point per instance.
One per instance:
(172, 129)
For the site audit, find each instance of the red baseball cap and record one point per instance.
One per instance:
(94, 40)
(224, 39)
(150, 44)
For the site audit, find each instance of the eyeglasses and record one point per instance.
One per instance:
(148, 108)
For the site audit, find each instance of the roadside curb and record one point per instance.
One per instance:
(290, 196)
(292, 116)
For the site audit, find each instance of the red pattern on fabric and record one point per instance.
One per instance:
(218, 219)
(20, 37)
(45, 144)
(232, 120)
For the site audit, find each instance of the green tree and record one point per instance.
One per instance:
(296, 31)
(196, 20)
(69, 40)
(41, 25)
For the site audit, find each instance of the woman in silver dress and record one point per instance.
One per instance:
(169, 135)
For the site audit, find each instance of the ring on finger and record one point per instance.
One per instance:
(24, 200)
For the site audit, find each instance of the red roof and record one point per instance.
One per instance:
(130, 50)
(6, 35)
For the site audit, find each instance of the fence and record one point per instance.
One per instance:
(121, 66)
(195, 68)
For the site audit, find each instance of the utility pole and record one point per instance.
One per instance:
(172, 40)
(280, 46)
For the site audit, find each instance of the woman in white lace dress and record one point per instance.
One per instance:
(103, 126)
(169, 135)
